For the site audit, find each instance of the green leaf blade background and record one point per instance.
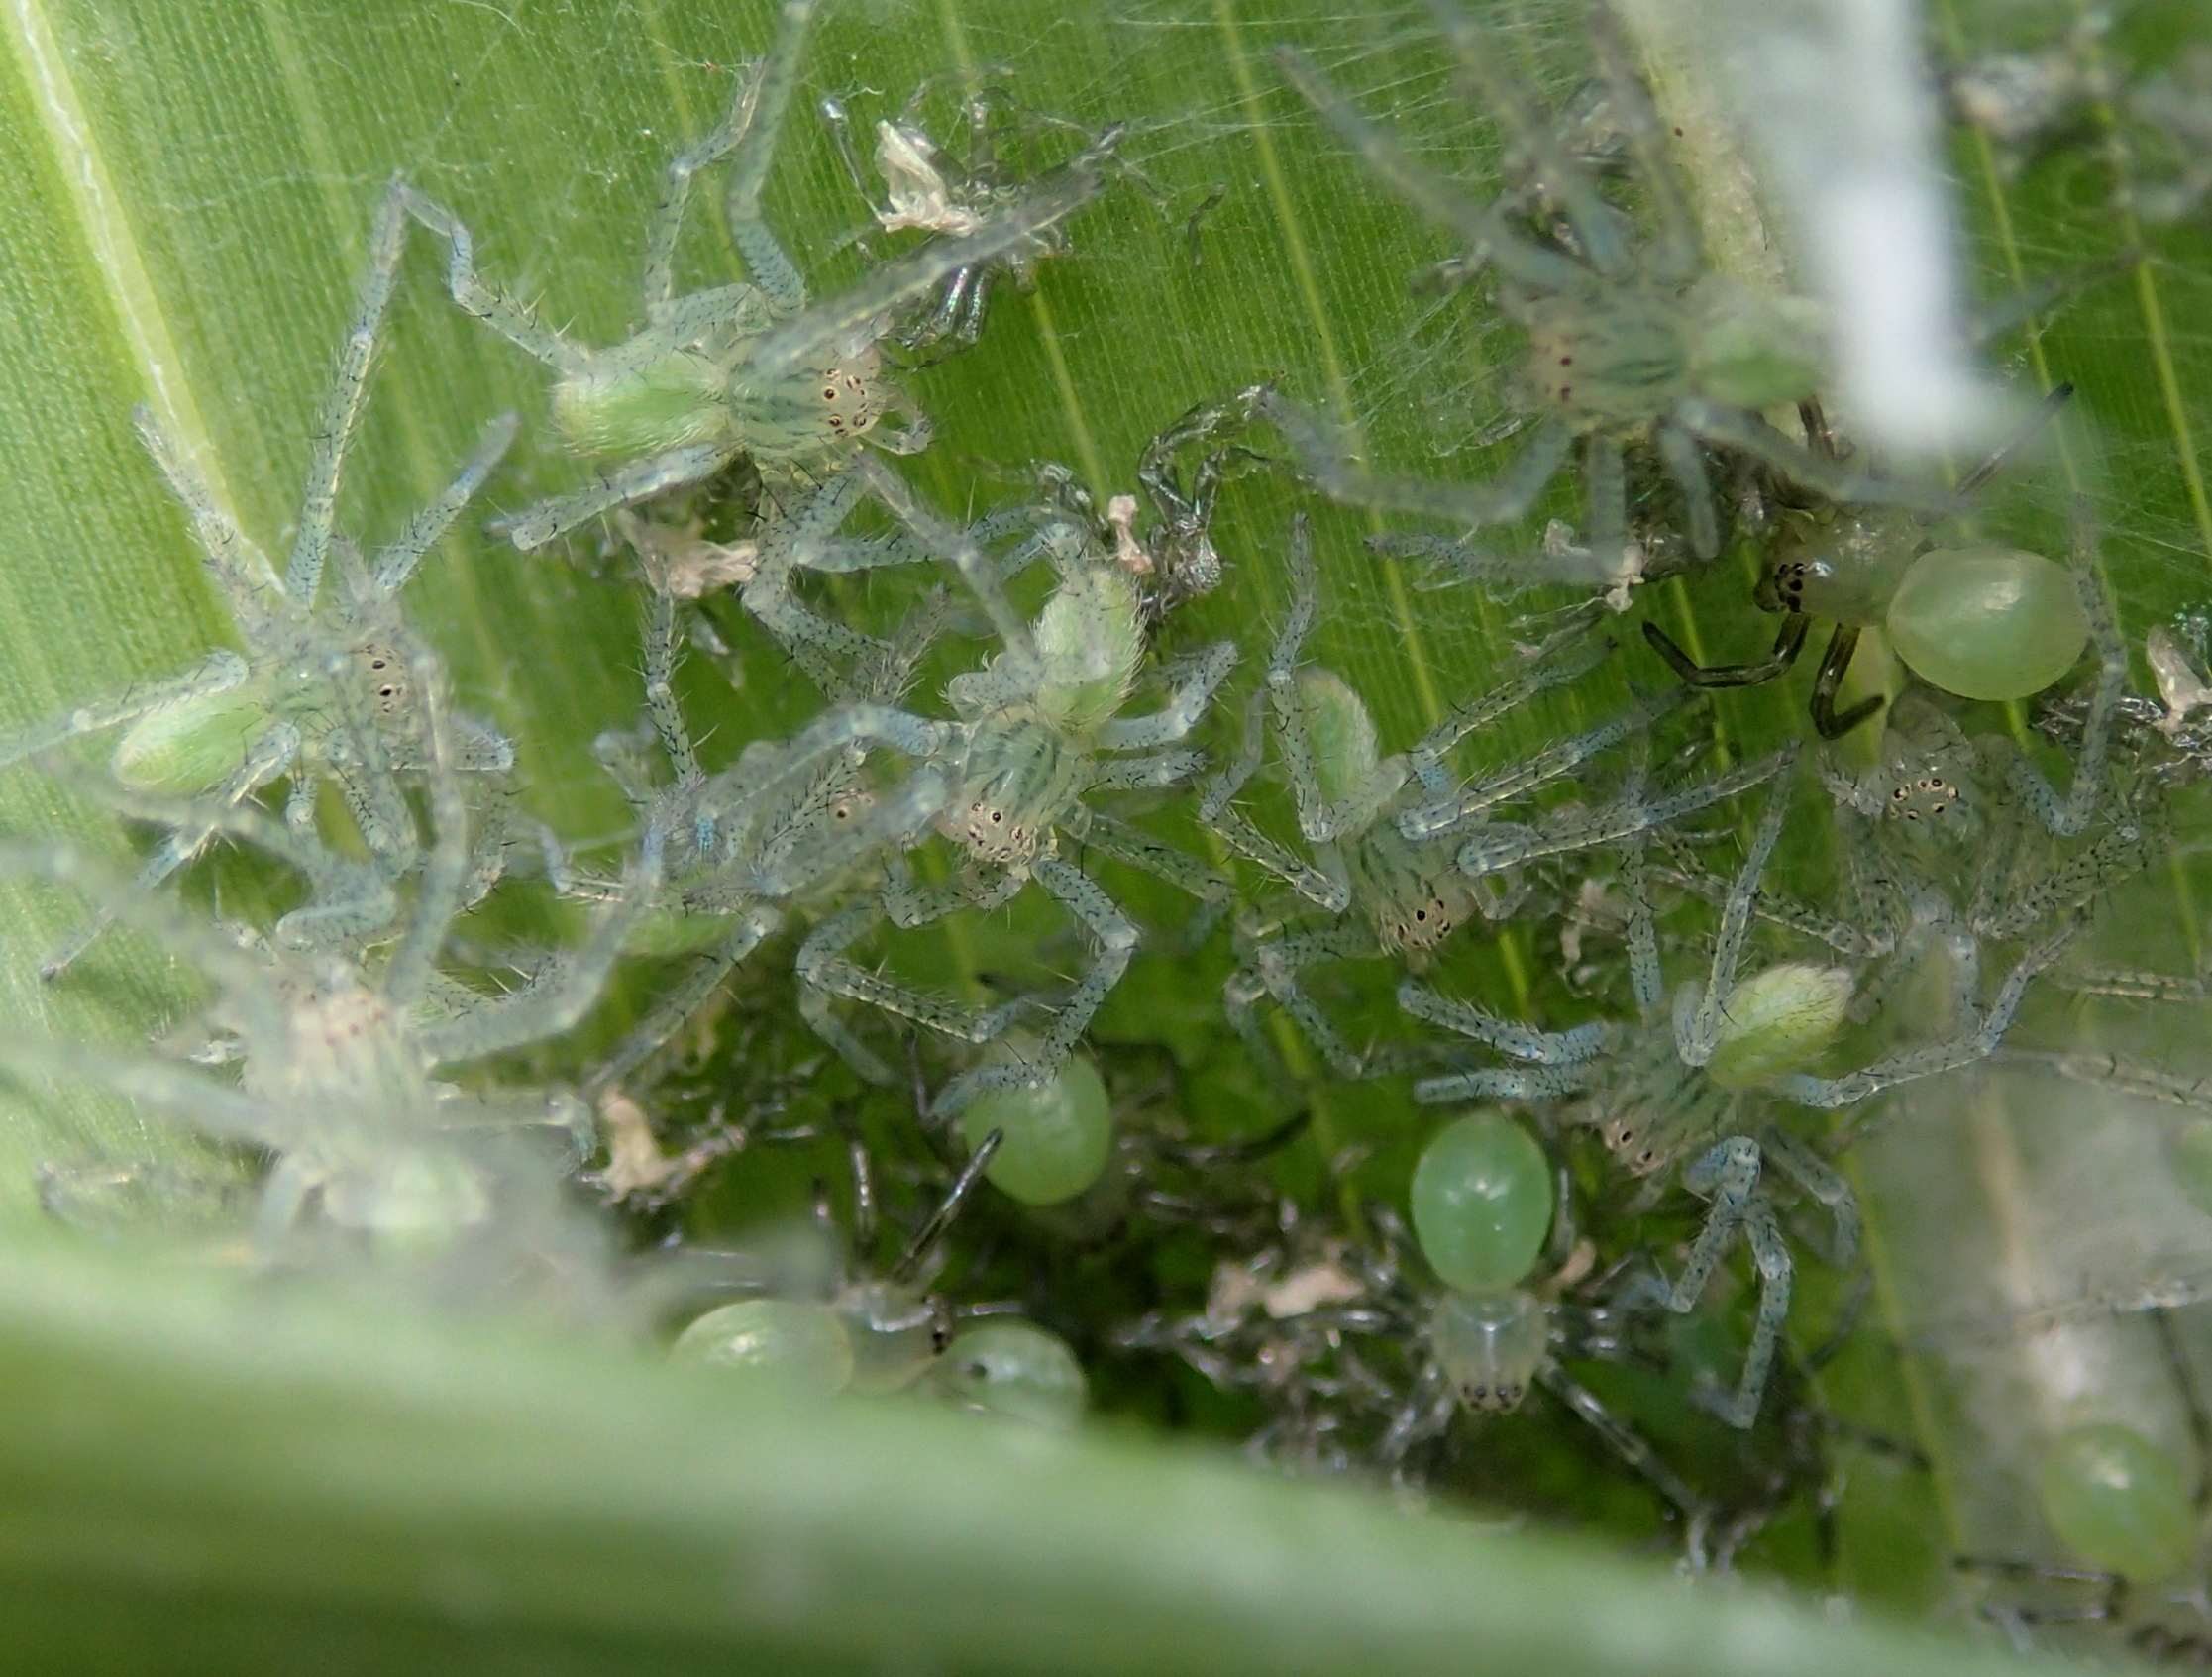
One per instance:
(186, 192)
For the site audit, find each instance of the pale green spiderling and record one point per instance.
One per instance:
(1672, 1090)
(1041, 730)
(341, 1055)
(1633, 344)
(742, 368)
(1981, 621)
(1399, 851)
(320, 690)
(1487, 1204)
(1014, 1370)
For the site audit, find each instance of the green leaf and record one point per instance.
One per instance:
(196, 1474)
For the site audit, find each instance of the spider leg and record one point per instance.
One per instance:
(1273, 970)
(563, 990)
(492, 304)
(1181, 713)
(1619, 1437)
(1216, 813)
(675, 1006)
(751, 129)
(1805, 1167)
(238, 568)
(1560, 758)
(340, 410)
(1510, 1037)
(1832, 479)
(2072, 814)
(1788, 642)
(1961, 1050)
(1696, 1036)
(1842, 641)
(1504, 845)
(272, 754)
(1604, 491)
(692, 463)
(1324, 456)
(1678, 458)
(824, 969)
(1116, 939)
(396, 560)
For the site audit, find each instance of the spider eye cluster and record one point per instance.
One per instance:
(386, 676)
(851, 399)
(1922, 795)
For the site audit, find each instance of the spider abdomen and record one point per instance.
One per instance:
(676, 399)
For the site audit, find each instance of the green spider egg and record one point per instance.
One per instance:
(1778, 1020)
(803, 1344)
(2119, 1502)
(1990, 623)
(2190, 1150)
(1015, 1369)
(1058, 1134)
(191, 746)
(1481, 1201)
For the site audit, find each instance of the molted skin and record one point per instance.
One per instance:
(2119, 1502)
(1987, 622)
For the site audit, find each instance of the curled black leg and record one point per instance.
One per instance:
(1833, 662)
(1787, 645)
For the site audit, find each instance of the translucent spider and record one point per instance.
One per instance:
(733, 866)
(1673, 1090)
(1983, 622)
(1631, 343)
(828, 1323)
(739, 368)
(1947, 813)
(1066, 1154)
(1391, 835)
(318, 689)
(1483, 1204)
(925, 188)
(340, 1057)
(1039, 732)
(1014, 1370)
